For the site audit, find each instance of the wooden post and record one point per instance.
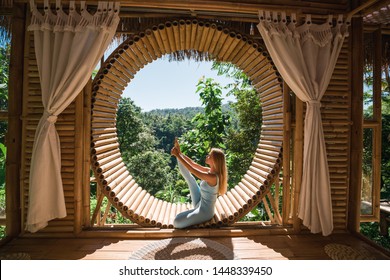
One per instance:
(298, 161)
(13, 141)
(377, 132)
(286, 154)
(357, 125)
(87, 155)
(78, 162)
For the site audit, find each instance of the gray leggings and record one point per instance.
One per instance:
(202, 211)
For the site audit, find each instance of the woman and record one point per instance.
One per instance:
(203, 196)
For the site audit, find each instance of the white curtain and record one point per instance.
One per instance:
(68, 47)
(305, 57)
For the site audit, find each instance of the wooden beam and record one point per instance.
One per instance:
(14, 134)
(357, 126)
(234, 7)
(361, 7)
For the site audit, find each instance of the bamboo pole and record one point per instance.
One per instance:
(156, 214)
(78, 161)
(164, 37)
(134, 65)
(140, 51)
(240, 198)
(242, 53)
(268, 210)
(233, 46)
(277, 216)
(116, 190)
(146, 43)
(129, 199)
(96, 212)
(106, 211)
(188, 33)
(103, 142)
(199, 33)
(227, 44)
(221, 41)
(117, 181)
(176, 34)
(287, 199)
(109, 168)
(210, 35)
(141, 204)
(144, 211)
(150, 36)
(138, 200)
(264, 63)
(194, 26)
(182, 34)
(161, 215)
(171, 36)
(220, 213)
(247, 56)
(108, 180)
(138, 62)
(151, 211)
(204, 36)
(231, 207)
(237, 205)
(125, 65)
(250, 190)
(225, 208)
(165, 218)
(104, 148)
(354, 196)
(215, 39)
(172, 215)
(157, 36)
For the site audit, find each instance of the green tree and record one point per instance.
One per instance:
(243, 135)
(134, 136)
(209, 130)
(151, 170)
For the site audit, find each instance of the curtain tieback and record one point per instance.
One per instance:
(50, 118)
(313, 103)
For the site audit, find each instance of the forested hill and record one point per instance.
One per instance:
(188, 112)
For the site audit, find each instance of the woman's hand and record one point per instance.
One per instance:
(176, 144)
(175, 152)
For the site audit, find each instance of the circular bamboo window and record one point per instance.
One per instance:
(120, 67)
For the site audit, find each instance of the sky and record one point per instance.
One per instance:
(163, 84)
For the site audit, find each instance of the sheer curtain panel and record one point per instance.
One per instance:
(68, 46)
(305, 57)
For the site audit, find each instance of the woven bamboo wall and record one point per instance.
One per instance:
(335, 114)
(66, 127)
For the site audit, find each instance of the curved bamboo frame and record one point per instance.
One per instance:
(119, 69)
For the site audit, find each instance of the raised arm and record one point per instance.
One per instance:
(198, 170)
(189, 160)
(202, 172)
(194, 164)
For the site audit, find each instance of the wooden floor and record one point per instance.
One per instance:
(269, 247)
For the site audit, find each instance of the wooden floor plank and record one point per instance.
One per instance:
(261, 247)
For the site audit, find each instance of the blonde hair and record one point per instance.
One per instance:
(220, 167)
